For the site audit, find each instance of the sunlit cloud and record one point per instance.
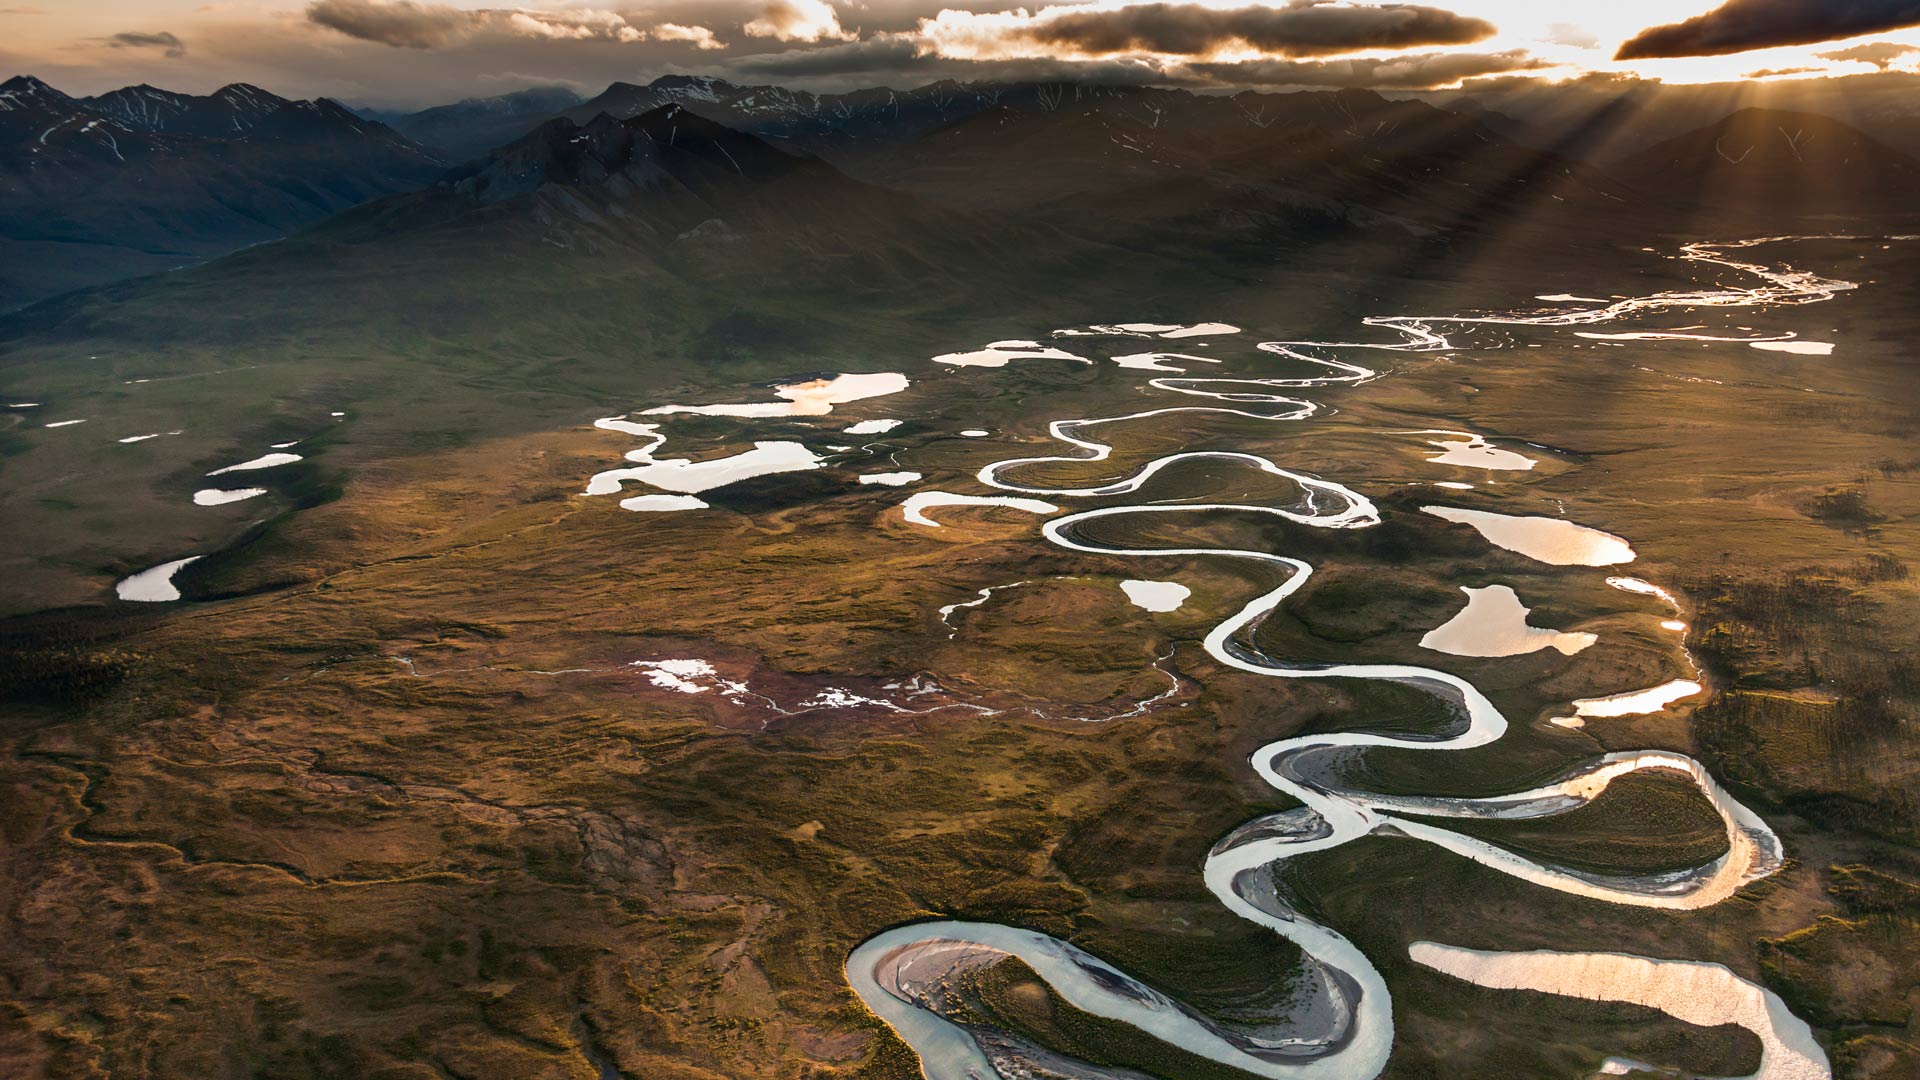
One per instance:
(1571, 35)
(407, 24)
(799, 20)
(1610, 82)
(892, 58)
(699, 37)
(340, 47)
(1416, 72)
(1881, 54)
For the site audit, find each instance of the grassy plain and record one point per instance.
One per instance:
(246, 839)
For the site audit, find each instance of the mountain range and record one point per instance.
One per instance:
(469, 128)
(1591, 123)
(664, 179)
(143, 179)
(1602, 119)
(1795, 163)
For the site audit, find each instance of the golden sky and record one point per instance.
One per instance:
(429, 50)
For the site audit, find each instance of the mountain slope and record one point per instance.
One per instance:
(1773, 162)
(1236, 178)
(800, 118)
(472, 127)
(1601, 119)
(612, 261)
(844, 126)
(548, 235)
(636, 184)
(142, 179)
(1080, 187)
(582, 266)
(40, 127)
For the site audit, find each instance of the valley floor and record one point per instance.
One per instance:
(445, 769)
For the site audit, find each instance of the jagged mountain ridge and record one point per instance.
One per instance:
(142, 179)
(229, 112)
(547, 239)
(39, 125)
(639, 183)
(843, 126)
(674, 203)
(1104, 161)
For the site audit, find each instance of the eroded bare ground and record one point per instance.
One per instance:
(416, 801)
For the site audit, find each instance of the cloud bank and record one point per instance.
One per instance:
(341, 47)
(798, 20)
(1742, 25)
(1572, 36)
(899, 55)
(1414, 72)
(408, 24)
(1881, 54)
(1295, 43)
(1299, 28)
(172, 47)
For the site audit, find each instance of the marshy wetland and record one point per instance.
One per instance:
(879, 762)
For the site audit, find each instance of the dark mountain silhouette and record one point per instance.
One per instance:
(230, 112)
(472, 127)
(642, 185)
(552, 229)
(696, 178)
(142, 179)
(1257, 168)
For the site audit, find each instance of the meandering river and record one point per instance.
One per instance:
(1343, 1025)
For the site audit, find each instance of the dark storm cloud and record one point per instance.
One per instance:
(906, 55)
(173, 47)
(1417, 72)
(400, 23)
(1740, 25)
(1301, 28)
(900, 55)
(1881, 54)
